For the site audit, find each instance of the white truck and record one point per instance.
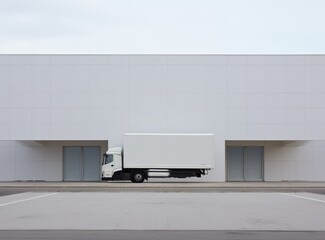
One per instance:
(159, 156)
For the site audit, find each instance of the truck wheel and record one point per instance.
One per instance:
(137, 177)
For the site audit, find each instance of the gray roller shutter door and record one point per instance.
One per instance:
(81, 164)
(91, 164)
(235, 163)
(254, 164)
(245, 163)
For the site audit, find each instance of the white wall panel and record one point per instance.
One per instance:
(276, 60)
(60, 59)
(186, 78)
(20, 78)
(22, 131)
(118, 78)
(318, 171)
(295, 59)
(275, 131)
(148, 128)
(237, 100)
(255, 131)
(41, 100)
(276, 115)
(20, 100)
(5, 81)
(4, 115)
(187, 115)
(234, 60)
(236, 131)
(60, 78)
(5, 130)
(151, 116)
(217, 100)
(7, 163)
(255, 75)
(79, 78)
(217, 115)
(295, 78)
(79, 115)
(316, 115)
(21, 59)
(217, 59)
(4, 100)
(118, 59)
(97, 116)
(255, 115)
(185, 59)
(217, 78)
(41, 131)
(315, 59)
(305, 170)
(121, 100)
(295, 100)
(236, 78)
(273, 161)
(79, 100)
(60, 131)
(276, 78)
(315, 100)
(314, 131)
(79, 59)
(60, 115)
(295, 131)
(186, 100)
(41, 77)
(186, 127)
(99, 100)
(255, 60)
(75, 133)
(275, 100)
(295, 115)
(315, 78)
(60, 100)
(148, 100)
(98, 76)
(117, 115)
(256, 100)
(41, 115)
(20, 115)
(5, 59)
(148, 78)
(289, 172)
(237, 115)
(98, 59)
(148, 59)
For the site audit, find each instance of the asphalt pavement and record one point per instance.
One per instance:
(160, 210)
(161, 235)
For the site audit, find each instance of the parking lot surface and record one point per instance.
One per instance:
(163, 211)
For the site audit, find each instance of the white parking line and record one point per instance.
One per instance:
(27, 199)
(307, 198)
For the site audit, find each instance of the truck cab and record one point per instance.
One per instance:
(112, 162)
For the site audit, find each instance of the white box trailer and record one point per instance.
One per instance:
(159, 155)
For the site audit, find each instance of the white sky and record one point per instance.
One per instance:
(162, 26)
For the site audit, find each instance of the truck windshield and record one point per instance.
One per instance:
(109, 159)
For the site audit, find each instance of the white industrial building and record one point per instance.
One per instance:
(59, 113)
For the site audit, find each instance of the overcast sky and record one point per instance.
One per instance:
(162, 26)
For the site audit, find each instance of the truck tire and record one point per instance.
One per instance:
(137, 176)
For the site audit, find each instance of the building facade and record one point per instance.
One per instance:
(59, 113)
